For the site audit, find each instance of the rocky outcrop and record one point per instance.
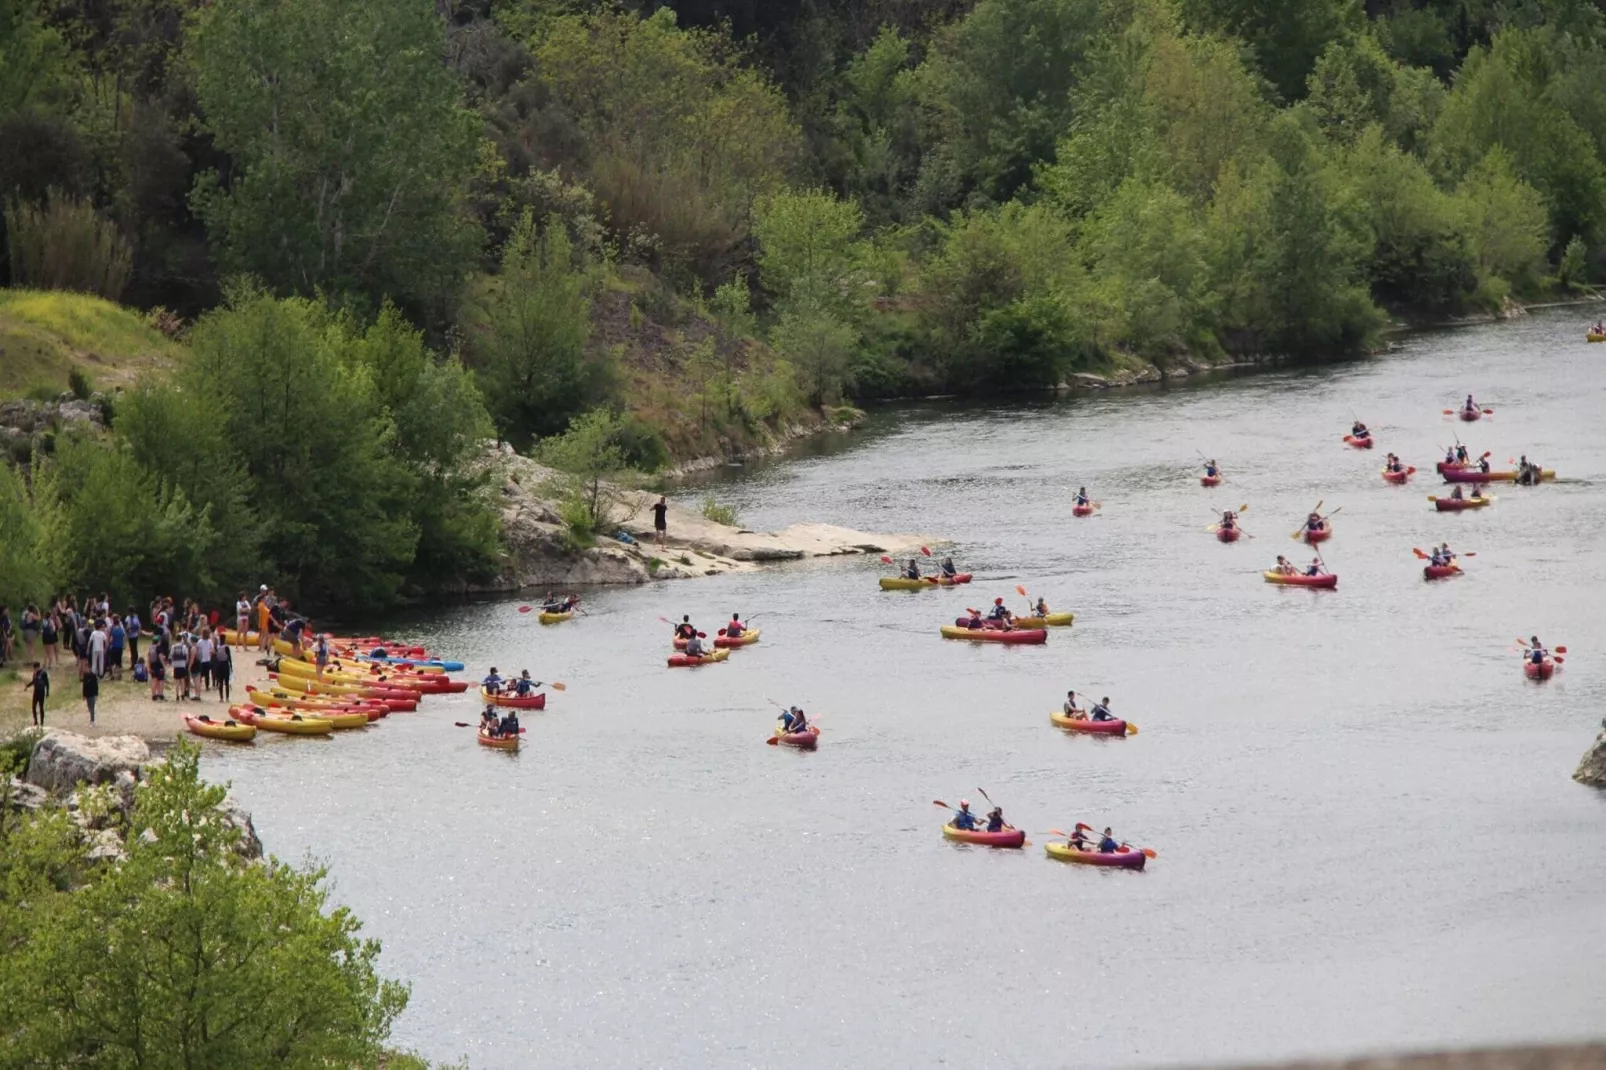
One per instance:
(95, 780)
(539, 554)
(23, 422)
(1592, 770)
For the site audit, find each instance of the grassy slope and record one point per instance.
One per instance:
(44, 335)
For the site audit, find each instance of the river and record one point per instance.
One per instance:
(1367, 837)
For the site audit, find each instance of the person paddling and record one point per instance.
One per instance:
(1456, 493)
(1314, 522)
(1393, 464)
(1477, 492)
(1483, 463)
(1359, 431)
(1081, 496)
(1211, 468)
(1101, 710)
(1040, 607)
(1461, 453)
(694, 646)
(1470, 406)
(912, 570)
(1229, 520)
(1315, 568)
(1107, 844)
(523, 685)
(975, 620)
(1071, 708)
(1537, 654)
(800, 721)
(735, 629)
(685, 629)
(493, 682)
(995, 819)
(963, 819)
(1285, 567)
(1078, 839)
(948, 569)
(1001, 614)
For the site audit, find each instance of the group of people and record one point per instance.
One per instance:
(499, 726)
(1441, 556)
(1528, 473)
(1286, 567)
(965, 820)
(1457, 494)
(181, 641)
(695, 647)
(564, 604)
(1001, 617)
(794, 720)
(1099, 712)
(1106, 845)
(519, 686)
(946, 570)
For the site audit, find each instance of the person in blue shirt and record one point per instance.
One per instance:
(964, 819)
(1000, 612)
(1211, 469)
(1537, 654)
(1315, 567)
(1314, 522)
(509, 725)
(1101, 710)
(1107, 844)
(1081, 496)
(493, 682)
(995, 819)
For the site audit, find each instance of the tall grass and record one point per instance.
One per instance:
(64, 244)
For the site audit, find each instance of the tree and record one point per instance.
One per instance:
(34, 67)
(1286, 36)
(185, 954)
(25, 575)
(349, 143)
(527, 335)
(590, 456)
(806, 236)
(819, 346)
(1505, 220)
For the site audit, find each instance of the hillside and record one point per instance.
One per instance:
(46, 336)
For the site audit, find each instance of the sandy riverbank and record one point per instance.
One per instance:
(123, 708)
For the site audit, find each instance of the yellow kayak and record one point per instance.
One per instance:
(295, 725)
(555, 618)
(1053, 620)
(343, 720)
(1088, 726)
(230, 729)
(1591, 336)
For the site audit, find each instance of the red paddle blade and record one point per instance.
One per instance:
(1561, 650)
(1150, 852)
(1080, 827)
(925, 551)
(1020, 590)
(1058, 832)
(885, 560)
(939, 802)
(525, 609)
(771, 741)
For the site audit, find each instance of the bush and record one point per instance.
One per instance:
(78, 383)
(720, 514)
(16, 751)
(64, 244)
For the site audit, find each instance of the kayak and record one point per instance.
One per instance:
(1081, 510)
(1229, 534)
(1542, 671)
(421, 663)
(344, 719)
(1028, 636)
(1439, 572)
(1321, 534)
(1470, 415)
(517, 702)
(677, 661)
(498, 742)
(1591, 336)
(1209, 481)
(341, 672)
(1327, 579)
(292, 700)
(1473, 475)
(556, 618)
(903, 583)
(392, 700)
(807, 739)
(1007, 837)
(1123, 857)
(1087, 725)
(1455, 505)
(230, 729)
(1053, 620)
(747, 638)
(294, 724)
(1359, 443)
(1398, 477)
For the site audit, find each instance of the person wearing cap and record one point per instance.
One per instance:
(1000, 612)
(964, 819)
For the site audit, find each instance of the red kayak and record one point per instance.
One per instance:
(1081, 510)
(1544, 670)
(1027, 636)
(1398, 477)
(1321, 534)
(1472, 475)
(1455, 505)
(1229, 534)
(1359, 443)
(1439, 572)
(1471, 414)
(1123, 857)
(517, 702)
(805, 740)
(1003, 838)
(1209, 481)
(1299, 579)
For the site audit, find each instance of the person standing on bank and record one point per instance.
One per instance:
(660, 520)
(40, 686)
(91, 693)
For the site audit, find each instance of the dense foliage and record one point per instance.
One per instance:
(700, 218)
(185, 953)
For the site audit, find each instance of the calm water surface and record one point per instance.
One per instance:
(1367, 836)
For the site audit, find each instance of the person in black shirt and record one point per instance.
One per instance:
(660, 519)
(40, 686)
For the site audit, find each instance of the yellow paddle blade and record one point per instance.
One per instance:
(558, 687)
(1131, 729)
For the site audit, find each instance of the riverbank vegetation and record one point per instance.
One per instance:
(377, 232)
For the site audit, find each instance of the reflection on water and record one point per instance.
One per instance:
(1367, 836)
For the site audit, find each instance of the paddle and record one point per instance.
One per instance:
(525, 609)
(465, 724)
(1426, 557)
(1148, 852)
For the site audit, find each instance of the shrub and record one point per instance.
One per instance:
(720, 514)
(78, 383)
(64, 244)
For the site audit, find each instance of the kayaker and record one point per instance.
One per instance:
(1444, 551)
(1456, 493)
(493, 682)
(1315, 568)
(734, 629)
(963, 818)
(1229, 520)
(1477, 492)
(800, 722)
(488, 721)
(1071, 708)
(1470, 406)
(948, 569)
(524, 685)
(1101, 710)
(995, 819)
(1359, 431)
(1285, 567)
(1107, 844)
(1393, 464)
(1449, 456)
(1483, 463)
(1078, 840)
(1211, 469)
(1040, 607)
(509, 725)
(685, 630)
(912, 571)
(694, 646)
(1000, 612)
(1537, 652)
(1314, 522)
(1081, 496)
(975, 619)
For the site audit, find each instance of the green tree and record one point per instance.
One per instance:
(1286, 36)
(1145, 248)
(350, 147)
(819, 345)
(186, 954)
(1505, 220)
(35, 70)
(25, 575)
(595, 470)
(527, 332)
(806, 237)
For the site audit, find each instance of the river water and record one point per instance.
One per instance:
(1367, 835)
